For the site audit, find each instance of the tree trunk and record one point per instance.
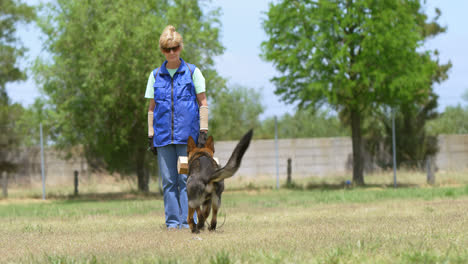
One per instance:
(5, 184)
(356, 135)
(143, 177)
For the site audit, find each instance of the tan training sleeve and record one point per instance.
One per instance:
(204, 117)
(150, 124)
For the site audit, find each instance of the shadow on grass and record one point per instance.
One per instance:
(343, 185)
(248, 187)
(137, 195)
(109, 196)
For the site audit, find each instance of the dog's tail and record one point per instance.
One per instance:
(235, 160)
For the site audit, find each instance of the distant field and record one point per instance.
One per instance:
(306, 224)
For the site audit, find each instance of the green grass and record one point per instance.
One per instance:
(301, 198)
(261, 198)
(77, 209)
(376, 224)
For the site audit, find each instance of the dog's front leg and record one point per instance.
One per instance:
(213, 219)
(190, 219)
(201, 218)
(206, 212)
(215, 206)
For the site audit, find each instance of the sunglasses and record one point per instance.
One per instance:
(174, 49)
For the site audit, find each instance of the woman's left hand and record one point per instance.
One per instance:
(202, 138)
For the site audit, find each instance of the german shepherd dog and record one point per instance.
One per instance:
(205, 182)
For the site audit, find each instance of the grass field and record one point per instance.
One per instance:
(314, 222)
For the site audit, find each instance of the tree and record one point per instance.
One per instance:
(304, 123)
(451, 121)
(11, 13)
(102, 53)
(353, 55)
(28, 123)
(414, 143)
(10, 139)
(234, 112)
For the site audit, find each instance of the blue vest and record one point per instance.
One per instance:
(176, 115)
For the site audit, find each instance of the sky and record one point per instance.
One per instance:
(242, 34)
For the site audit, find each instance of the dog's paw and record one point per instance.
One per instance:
(201, 227)
(212, 226)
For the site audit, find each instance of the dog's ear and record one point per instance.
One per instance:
(210, 144)
(190, 144)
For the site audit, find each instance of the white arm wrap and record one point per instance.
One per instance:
(204, 117)
(150, 124)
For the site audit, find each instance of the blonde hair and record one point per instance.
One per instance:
(170, 38)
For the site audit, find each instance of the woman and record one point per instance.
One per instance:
(178, 109)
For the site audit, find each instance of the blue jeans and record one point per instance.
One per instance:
(174, 185)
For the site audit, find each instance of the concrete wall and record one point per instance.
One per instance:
(326, 156)
(318, 157)
(57, 168)
(453, 152)
(310, 157)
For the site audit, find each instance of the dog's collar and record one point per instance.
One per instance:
(198, 155)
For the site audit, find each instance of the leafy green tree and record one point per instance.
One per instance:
(234, 112)
(305, 123)
(11, 13)
(102, 53)
(414, 144)
(10, 138)
(28, 123)
(353, 55)
(452, 121)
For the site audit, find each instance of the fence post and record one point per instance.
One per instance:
(394, 149)
(430, 171)
(289, 172)
(42, 164)
(276, 153)
(5, 184)
(76, 182)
